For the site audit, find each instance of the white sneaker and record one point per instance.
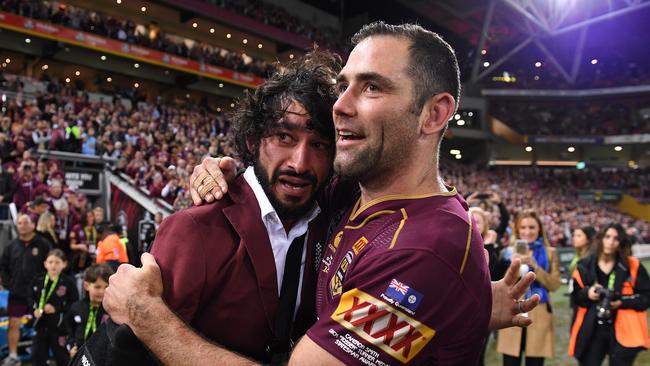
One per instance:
(11, 361)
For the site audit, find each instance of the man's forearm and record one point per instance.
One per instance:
(175, 343)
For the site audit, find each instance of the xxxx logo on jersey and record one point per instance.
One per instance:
(397, 334)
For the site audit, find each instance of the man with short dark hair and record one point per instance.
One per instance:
(21, 261)
(404, 278)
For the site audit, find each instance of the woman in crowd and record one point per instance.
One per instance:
(83, 238)
(612, 291)
(537, 341)
(45, 228)
(581, 240)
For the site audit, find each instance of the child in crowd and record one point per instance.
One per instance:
(86, 315)
(53, 293)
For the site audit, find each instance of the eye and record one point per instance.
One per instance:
(321, 145)
(372, 88)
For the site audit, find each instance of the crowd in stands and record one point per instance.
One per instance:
(147, 35)
(552, 193)
(279, 17)
(580, 118)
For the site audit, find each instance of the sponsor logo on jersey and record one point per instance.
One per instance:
(404, 295)
(360, 244)
(335, 243)
(336, 284)
(381, 325)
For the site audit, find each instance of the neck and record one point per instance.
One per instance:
(53, 275)
(581, 251)
(411, 179)
(27, 237)
(288, 224)
(606, 258)
(95, 303)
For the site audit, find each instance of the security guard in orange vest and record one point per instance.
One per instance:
(612, 292)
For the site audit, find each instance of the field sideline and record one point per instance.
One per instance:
(562, 311)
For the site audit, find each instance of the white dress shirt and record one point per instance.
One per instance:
(278, 237)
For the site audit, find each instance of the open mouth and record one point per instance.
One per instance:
(296, 185)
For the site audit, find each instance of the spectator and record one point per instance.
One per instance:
(110, 249)
(45, 229)
(612, 291)
(52, 295)
(538, 340)
(21, 261)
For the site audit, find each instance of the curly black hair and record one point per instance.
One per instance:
(308, 81)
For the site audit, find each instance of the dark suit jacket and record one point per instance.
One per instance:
(219, 273)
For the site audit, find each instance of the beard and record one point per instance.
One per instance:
(292, 210)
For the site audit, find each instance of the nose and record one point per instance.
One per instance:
(344, 105)
(298, 161)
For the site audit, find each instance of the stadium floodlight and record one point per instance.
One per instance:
(143, 9)
(195, 25)
(67, 80)
(259, 45)
(484, 52)
(538, 64)
(459, 156)
(594, 61)
(470, 113)
(118, 2)
(77, 73)
(244, 41)
(221, 85)
(571, 149)
(8, 60)
(136, 85)
(136, 65)
(232, 105)
(28, 41)
(460, 122)
(529, 148)
(486, 64)
(457, 116)
(211, 30)
(454, 152)
(228, 35)
(103, 57)
(45, 67)
(109, 79)
(618, 148)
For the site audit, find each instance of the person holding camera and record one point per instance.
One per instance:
(533, 249)
(612, 291)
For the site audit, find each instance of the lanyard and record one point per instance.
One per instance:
(44, 296)
(610, 281)
(91, 324)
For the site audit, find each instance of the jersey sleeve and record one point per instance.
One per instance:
(404, 307)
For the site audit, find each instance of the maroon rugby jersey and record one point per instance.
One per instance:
(404, 281)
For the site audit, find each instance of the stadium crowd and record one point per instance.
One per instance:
(277, 16)
(147, 35)
(553, 194)
(583, 118)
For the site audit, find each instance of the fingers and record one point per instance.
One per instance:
(513, 272)
(519, 289)
(521, 321)
(529, 304)
(148, 260)
(196, 198)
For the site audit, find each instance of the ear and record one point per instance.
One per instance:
(86, 285)
(436, 113)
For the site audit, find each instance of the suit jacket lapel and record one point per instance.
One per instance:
(245, 217)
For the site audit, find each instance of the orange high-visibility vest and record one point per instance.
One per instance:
(631, 326)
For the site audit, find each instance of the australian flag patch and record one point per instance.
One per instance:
(403, 295)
